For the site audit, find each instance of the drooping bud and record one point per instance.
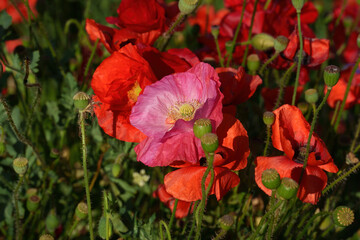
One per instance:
(81, 100)
(343, 216)
(311, 95)
(271, 179)
(303, 106)
(215, 31)
(262, 42)
(51, 222)
(268, 118)
(253, 62)
(331, 75)
(209, 142)
(46, 237)
(102, 228)
(288, 188)
(187, 6)
(32, 203)
(201, 127)
(20, 165)
(298, 4)
(281, 43)
(81, 211)
(116, 169)
(226, 222)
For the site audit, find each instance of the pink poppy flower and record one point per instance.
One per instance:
(167, 110)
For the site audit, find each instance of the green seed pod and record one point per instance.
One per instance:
(51, 222)
(268, 118)
(81, 211)
(202, 126)
(287, 189)
(262, 41)
(187, 6)
(331, 75)
(31, 191)
(311, 95)
(271, 179)
(281, 43)
(209, 142)
(226, 222)
(46, 237)
(253, 62)
(343, 216)
(20, 165)
(116, 169)
(32, 203)
(303, 106)
(215, 31)
(81, 100)
(298, 4)
(102, 228)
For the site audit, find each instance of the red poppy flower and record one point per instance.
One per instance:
(139, 16)
(236, 85)
(270, 96)
(185, 183)
(13, 12)
(120, 79)
(182, 209)
(338, 91)
(290, 134)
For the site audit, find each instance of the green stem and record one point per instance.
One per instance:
(335, 112)
(201, 207)
(17, 218)
(163, 40)
(250, 34)
(325, 233)
(272, 220)
(236, 34)
(220, 235)
(93, 50)
(173, 213)
(309, 223)
(166, 228)
(316, 112)
(73, 226)
(267, 4)
(86, 180)
(107, 217)
(275, 55)
(221, 59)
(283, 83)
(352, 74)
(271, 211)
(268, 134)
(299, 55)
(355, 137)
(357, 149)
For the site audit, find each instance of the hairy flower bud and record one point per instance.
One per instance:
(281, 43)
(51, 222)
(287, 189)
(187, 6)
(262, 42)
(343, 216)
(202, 126)
(116, 169)
(81, 100)
(331, 75)
(270, 178)
(209, 142)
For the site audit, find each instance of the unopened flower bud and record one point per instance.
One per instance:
(81, 100)
(209, 142)
(187, 6)
(262, 42)
(253, 62)
(81, 211)
(46, 237)
(215, 31)
(287, 189)
(226, 222)
(51, 222)
(270, 178)
(102, 228)
(202, 126)
(343, 216)
(20, 165)
(311, 96)
(298, 4)
(281, 43)
(32, 203)
(331, 75)
(116, 169)
(268, 118)
(303, 106)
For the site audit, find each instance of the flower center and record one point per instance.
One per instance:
(182, 110)
(134, 92)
